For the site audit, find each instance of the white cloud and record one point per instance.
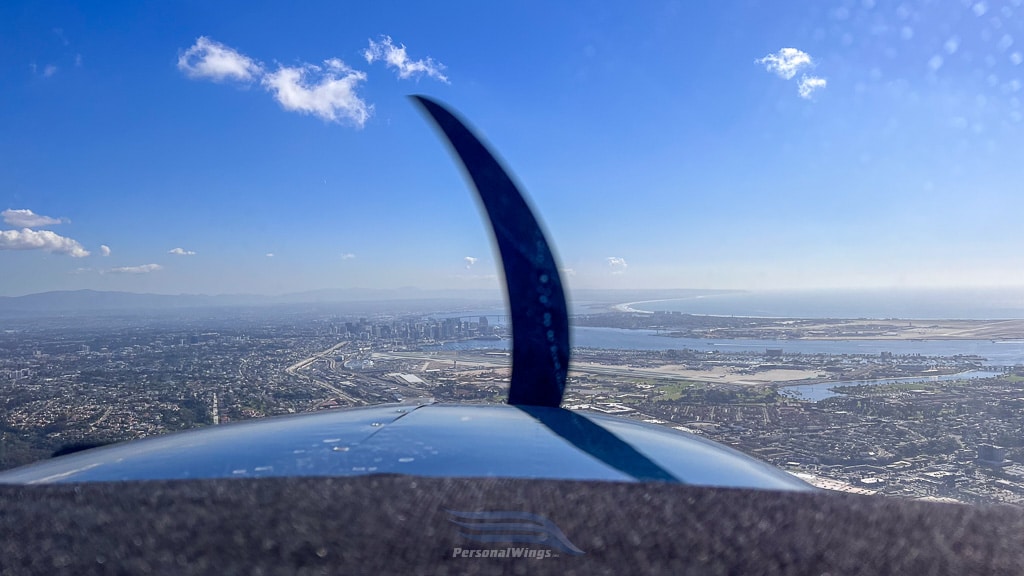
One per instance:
(348, 256)
(808, 84)
(270, 254)
(181, 252)
(28, 219)
(328, 92)
(26, 239)
(470, 261)
(786, 62)
(209, 59)
(396, 57)
(104, 250)
(570, 272)
(618, 265)
(143, 269)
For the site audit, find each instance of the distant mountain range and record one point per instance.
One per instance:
(78, 301)
(94, 300)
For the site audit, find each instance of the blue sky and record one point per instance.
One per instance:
(753, 145)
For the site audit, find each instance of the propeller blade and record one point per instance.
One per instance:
(540, 321)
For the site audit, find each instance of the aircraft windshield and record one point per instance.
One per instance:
(792, 229)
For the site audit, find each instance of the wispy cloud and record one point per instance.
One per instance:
(570, 272)
(328, 92)
(348, 256)
(214, 61)
(474, 277)
(270, 254)
(28, 219)
(786, 62)
(181, 252)
(143, 269)
(618, 265)
(48, 71)
(45, 240)
(470, 261)
(808, 84)
(397, 58)
(104, 250)
(59, 33)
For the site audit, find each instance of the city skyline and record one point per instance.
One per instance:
(238, 149)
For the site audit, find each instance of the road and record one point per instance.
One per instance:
(293, 370)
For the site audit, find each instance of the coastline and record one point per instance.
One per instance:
(904, 303)
(627, 307)
(789, 328)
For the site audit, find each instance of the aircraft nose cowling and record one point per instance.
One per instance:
(431, 440)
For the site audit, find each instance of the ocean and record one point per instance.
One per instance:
(923, 304)
(980, 304)
(996, 353)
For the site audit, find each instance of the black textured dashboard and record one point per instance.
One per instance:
(404, 524)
